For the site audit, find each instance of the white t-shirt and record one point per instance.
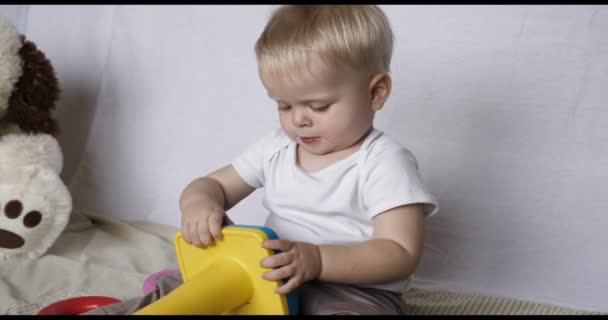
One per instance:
(334, 205)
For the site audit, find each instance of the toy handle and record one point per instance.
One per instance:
(210, 292)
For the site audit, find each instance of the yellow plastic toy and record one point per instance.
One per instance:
(225, 278)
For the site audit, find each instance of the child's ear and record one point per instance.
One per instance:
(380, 90)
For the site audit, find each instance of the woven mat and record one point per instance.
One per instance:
(436, 302)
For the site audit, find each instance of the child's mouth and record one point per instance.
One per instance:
(309, 140)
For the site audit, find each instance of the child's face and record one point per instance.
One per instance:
(324, 111)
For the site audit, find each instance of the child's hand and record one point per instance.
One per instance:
(299, 261)
(202, 223)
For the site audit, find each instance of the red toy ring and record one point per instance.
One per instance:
(75, 306)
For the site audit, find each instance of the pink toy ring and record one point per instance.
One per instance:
(150, 282)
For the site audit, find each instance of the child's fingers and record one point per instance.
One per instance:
(291, 285)
(191, 233)
(280, 273)
(186, 233)
(276, 260)
(202, 234)
(215, 226)
(278, 244)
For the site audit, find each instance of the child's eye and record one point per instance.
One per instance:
(284, 108)
(321, 109)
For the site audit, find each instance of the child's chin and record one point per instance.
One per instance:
(317, 151)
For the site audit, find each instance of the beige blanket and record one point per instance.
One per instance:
(94, 256)
(101, 256)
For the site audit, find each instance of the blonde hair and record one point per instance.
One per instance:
(358, 36)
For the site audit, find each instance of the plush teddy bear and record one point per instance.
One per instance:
(35, 204)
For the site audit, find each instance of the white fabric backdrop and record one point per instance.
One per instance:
(504, 107)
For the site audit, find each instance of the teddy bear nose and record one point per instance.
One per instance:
(10, 240)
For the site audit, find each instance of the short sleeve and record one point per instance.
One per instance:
(393, 179)
(250, 163)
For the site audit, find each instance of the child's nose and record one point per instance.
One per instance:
(300, 117)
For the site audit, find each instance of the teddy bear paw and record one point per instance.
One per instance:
(35, 207)
(13, 210)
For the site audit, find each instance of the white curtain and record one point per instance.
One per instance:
(505, 108)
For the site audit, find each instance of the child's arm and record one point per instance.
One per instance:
(393, 254)
(204, 201)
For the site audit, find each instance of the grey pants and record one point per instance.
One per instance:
(316, 298)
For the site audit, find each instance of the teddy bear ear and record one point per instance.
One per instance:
(10, 62)
(36, 93)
